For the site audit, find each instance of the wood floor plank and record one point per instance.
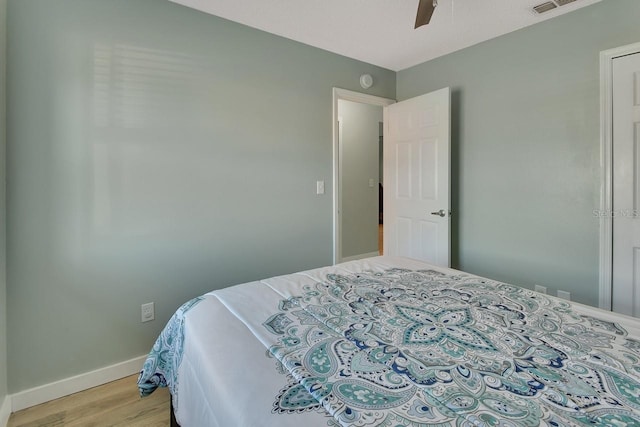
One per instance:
(113, 404)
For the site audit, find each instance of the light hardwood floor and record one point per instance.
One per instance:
(113, 404)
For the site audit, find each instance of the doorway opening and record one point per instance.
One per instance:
(358, 174)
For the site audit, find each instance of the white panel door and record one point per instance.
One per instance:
(626, 185)
(416, 178)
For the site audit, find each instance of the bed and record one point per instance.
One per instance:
(394, 342)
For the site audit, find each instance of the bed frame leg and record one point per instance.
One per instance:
(174, 423)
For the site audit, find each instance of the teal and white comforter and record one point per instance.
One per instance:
(394, 342)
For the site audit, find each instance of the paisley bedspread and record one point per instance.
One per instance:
(374, 344)
(160, 369)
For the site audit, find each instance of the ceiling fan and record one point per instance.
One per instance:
(425, 11)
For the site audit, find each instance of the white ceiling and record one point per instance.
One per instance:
(381, 32)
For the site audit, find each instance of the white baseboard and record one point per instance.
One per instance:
(361, 256)
(67, 386)
(5, 411)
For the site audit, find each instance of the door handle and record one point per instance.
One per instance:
(441, 213)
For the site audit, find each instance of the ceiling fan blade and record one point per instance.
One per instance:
(425, 11)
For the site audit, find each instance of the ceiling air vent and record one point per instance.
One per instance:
(563, 2)
(545, 7)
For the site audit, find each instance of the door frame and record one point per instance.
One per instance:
(606, 165)
(363, 98)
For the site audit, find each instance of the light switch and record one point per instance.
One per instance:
(319, 187)
(371, 182)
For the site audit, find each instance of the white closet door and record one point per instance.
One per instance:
(626, 185)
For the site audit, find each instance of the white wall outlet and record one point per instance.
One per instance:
(147, 312)
(319, 187)
(541, 289)
(564, 295)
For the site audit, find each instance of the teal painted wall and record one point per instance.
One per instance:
(3, 209)
(360, 162)
(154, 153)
(526, 146)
